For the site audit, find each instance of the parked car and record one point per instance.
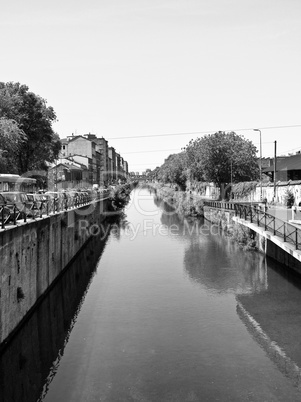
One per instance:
(65, 199)
(18, 204)
(54, 200)
(39, 201)
(74, 197)
(4, 211)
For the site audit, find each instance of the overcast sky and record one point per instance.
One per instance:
(122, 68)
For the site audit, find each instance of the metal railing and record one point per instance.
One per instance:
(10, 214)
(258, 215)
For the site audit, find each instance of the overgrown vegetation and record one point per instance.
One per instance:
(183, 203)
(243, 189)
(120, 196)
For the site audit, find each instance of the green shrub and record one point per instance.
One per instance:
(289, 198)
(243, 189)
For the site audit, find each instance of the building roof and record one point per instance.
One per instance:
(292, 162)
(73, 167)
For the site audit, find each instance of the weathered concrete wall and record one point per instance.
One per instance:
(285, 257)
(33, 254)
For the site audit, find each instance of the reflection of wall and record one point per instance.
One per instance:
(25, 363)
(273, 318)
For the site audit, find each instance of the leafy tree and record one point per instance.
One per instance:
(34, 119)
(174, 170)
(222, 158)
(154, 173)
(11, 141)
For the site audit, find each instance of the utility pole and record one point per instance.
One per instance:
(260, 158)
(275, 169)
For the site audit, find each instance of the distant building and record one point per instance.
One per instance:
(287, 168)
(126, 169)
(68, 174)
(80, 146)
(113, 164)
(103, 164)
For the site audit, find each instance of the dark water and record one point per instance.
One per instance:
(171, 311)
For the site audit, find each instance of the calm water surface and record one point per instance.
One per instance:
(174, 311)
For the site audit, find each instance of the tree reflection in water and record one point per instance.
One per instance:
(213, 260)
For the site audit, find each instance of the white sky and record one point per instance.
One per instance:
(122, 68)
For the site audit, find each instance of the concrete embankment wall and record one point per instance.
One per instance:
(33, 254)
(272, 246)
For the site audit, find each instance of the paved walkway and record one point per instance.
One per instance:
(283, 213)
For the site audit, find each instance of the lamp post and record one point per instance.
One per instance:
(231, 178)
(275, 168)
(260, 156)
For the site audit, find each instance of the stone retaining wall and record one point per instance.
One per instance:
(33, 254)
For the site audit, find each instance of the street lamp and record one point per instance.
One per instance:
(260, 168)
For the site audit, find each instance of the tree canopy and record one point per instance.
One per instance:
(174, 170)
(26, 128)
(11, 140)
(222, 158)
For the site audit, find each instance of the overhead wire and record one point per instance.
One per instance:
(204, 132)
(195, 133)
(153, 150)
(169, 150)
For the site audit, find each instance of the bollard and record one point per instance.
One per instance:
(294, 210)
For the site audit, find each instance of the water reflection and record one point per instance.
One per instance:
(231, 269)
(38, 347)
(273, 318)
(226, 272)
(116, 225)
(268, 297)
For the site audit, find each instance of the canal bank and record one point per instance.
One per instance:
(252, 236)
(34, 254)
(248, 235)
(185, 204)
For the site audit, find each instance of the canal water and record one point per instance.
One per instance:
(161, 309)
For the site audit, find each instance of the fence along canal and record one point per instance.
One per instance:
(259, 216)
